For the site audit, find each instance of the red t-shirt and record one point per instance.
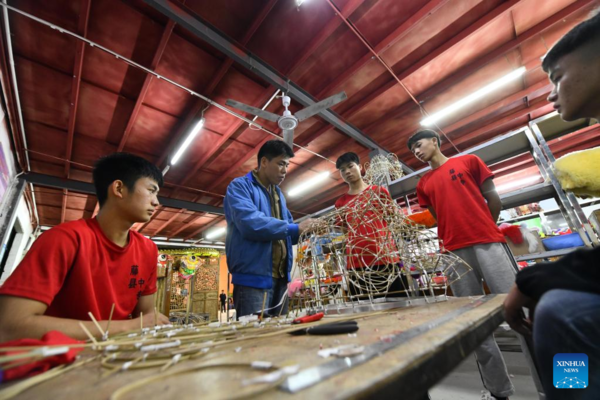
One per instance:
(368, 237)
(453, 191)
(74, 268)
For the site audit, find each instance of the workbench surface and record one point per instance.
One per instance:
(406, 351)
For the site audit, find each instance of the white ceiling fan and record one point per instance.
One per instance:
(288, 122)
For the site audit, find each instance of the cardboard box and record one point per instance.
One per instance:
(523, 248)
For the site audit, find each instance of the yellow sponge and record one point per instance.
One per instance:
(579, 172)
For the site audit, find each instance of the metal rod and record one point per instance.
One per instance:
(13, 74)
(563, 201)
(202, 29)
(189, 302)
(570, 196)
(354, 30)
(149, 71)
(85, 187)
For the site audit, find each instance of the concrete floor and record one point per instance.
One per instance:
(464, 383)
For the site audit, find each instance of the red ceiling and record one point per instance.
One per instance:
(80, 103)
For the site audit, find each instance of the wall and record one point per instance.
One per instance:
(23, 237)
(223, 274)
(22, 226)
(7, 161)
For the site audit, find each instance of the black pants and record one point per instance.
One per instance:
(223, 306)
(398, 285)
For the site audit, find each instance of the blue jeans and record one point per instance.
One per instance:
(567, 321)
(249, 300)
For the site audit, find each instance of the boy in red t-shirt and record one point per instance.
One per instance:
(89, 265)
(369, 245)
(460, 194)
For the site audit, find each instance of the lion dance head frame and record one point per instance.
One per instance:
(368, 255)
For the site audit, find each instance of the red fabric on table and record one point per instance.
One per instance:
(74, 269)
(454, 192)
(51, 338)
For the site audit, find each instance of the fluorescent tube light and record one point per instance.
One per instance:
(216, 233)
(187, 141)
(432, 119)
(308, 184)
(520, 182)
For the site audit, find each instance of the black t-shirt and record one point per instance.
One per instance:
(223, 297)
(578, 271)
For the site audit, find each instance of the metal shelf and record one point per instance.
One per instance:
(549, 212)
(547, 254)
(502, 148)
(530, 194)
(521, 218)
(407, 184)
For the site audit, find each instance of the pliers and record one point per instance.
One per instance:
(310, 317)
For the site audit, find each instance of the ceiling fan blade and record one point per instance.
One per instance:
(320, 106)
(253, 110)
(288, 137)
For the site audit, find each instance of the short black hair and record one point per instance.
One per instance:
(274, 148)
(347, 158)
(583, 33)
(423, 134)
(124, 167)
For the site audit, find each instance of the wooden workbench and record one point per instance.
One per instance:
(406, 352)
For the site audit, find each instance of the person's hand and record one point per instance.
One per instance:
(513, 311)
(148, 320)
(304, 225)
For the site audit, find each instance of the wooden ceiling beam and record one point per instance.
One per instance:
(462, 73)
(205, 227)
(186, 225)
(210, 88)
(158, 53)
(82, 27)
(383, 45)
(323, 34)
(168, 222)
(482, 22)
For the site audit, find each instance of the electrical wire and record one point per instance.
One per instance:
(156, 75)
(89, 167)
(387, 67)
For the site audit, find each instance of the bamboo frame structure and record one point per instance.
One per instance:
(368, 253)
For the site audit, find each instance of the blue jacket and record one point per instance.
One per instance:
(251, 230)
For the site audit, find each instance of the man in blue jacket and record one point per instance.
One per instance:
(260, 233)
